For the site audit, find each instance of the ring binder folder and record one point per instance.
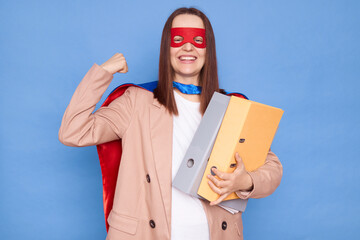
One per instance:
(247, 128)
(229, 125)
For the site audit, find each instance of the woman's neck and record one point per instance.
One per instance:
(190, 97)
(188, 80)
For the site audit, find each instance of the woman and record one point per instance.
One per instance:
(156, 129)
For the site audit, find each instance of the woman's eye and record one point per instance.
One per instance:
(178, 39)
(198, 39)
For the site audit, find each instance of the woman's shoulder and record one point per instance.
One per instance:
(141, 94)
(136, 97)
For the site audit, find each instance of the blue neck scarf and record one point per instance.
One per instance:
(187, 88)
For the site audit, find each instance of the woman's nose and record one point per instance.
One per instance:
(188, 46)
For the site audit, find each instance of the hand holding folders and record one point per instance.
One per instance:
(229, 125)
(226, 183)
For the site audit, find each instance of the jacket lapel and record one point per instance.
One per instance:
(161, 128)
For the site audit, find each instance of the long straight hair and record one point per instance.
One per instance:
(208, 74)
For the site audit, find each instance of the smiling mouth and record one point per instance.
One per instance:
(187, 58)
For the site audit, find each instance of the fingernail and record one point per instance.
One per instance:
(212, 171)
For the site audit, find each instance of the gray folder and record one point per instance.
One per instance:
(192, 167)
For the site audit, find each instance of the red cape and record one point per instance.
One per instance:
(110, 154)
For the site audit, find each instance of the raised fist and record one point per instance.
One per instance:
(116, 63)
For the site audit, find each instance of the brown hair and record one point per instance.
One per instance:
(208, 74)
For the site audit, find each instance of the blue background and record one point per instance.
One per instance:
(302, 56)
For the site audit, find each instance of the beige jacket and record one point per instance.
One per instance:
(142, 203)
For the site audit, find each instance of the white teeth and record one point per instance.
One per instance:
(187, 58)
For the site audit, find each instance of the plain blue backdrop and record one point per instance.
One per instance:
(302, 56)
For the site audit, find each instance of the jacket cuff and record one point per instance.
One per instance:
(247, 194)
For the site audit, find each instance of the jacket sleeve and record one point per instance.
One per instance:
(265, 179)
(80, 127)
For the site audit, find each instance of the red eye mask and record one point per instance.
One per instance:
(188, 35)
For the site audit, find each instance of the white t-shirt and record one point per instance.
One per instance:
(188, 218)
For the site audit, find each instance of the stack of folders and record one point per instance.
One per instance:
(229, 125)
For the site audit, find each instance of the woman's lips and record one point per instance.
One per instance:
(187, 58)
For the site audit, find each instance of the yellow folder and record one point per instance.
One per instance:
(248, 128)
